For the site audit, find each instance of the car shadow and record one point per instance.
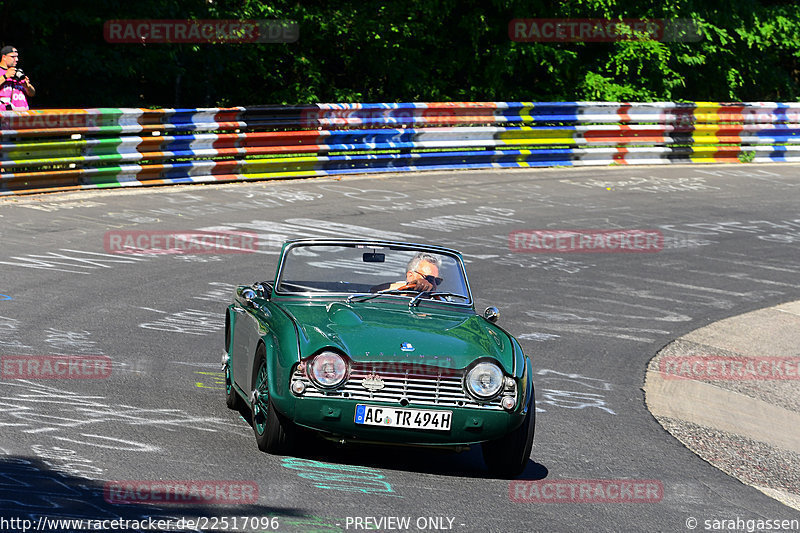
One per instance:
(427, 460)
(33, 490)
(467, 463)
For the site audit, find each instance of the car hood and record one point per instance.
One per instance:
(391, 332)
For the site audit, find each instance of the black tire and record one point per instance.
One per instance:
(508, 456)
(232, 398)
(274, 432)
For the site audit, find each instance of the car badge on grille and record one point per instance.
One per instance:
(407, 347)
(372, 382)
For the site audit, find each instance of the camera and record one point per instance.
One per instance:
(18, 75)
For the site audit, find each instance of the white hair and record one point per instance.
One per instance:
(424, 256)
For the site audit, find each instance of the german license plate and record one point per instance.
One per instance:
(373, 415)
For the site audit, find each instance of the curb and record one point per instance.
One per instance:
(741, 419)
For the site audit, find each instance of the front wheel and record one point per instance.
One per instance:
(274, 432)
(507, 456)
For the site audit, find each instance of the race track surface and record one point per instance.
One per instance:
(590, 321)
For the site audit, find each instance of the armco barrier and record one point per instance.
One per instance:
(64, 149)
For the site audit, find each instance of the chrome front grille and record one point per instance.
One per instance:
(437, 387)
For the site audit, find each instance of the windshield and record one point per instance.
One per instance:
(367, 269)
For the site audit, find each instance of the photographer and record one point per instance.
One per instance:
(16, 86)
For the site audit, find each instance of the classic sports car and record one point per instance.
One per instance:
(379, 342)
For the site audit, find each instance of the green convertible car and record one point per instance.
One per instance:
(378, 342)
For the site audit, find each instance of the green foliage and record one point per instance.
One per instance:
(747, 157)
(413, 50)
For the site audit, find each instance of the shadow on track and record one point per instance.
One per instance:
(425, 460)
(31, 490)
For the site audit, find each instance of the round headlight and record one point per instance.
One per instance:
(327, 370)
(484, 380)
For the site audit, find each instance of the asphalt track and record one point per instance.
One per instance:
(591, 321)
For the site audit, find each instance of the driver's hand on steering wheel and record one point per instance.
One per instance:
(420, 285)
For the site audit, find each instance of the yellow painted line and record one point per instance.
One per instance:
(526, 115)
(521, 158)
(204, 386)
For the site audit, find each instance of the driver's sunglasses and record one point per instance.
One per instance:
(429, 278)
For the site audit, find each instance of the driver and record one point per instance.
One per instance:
(422, 275)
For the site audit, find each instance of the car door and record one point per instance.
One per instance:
(245, 338)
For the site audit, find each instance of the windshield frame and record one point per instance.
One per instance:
(289, 245)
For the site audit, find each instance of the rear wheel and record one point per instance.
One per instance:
(274, 432)
(507, 456)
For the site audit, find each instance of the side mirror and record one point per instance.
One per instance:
(491, 314)
(248, 295)
(263, 289)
